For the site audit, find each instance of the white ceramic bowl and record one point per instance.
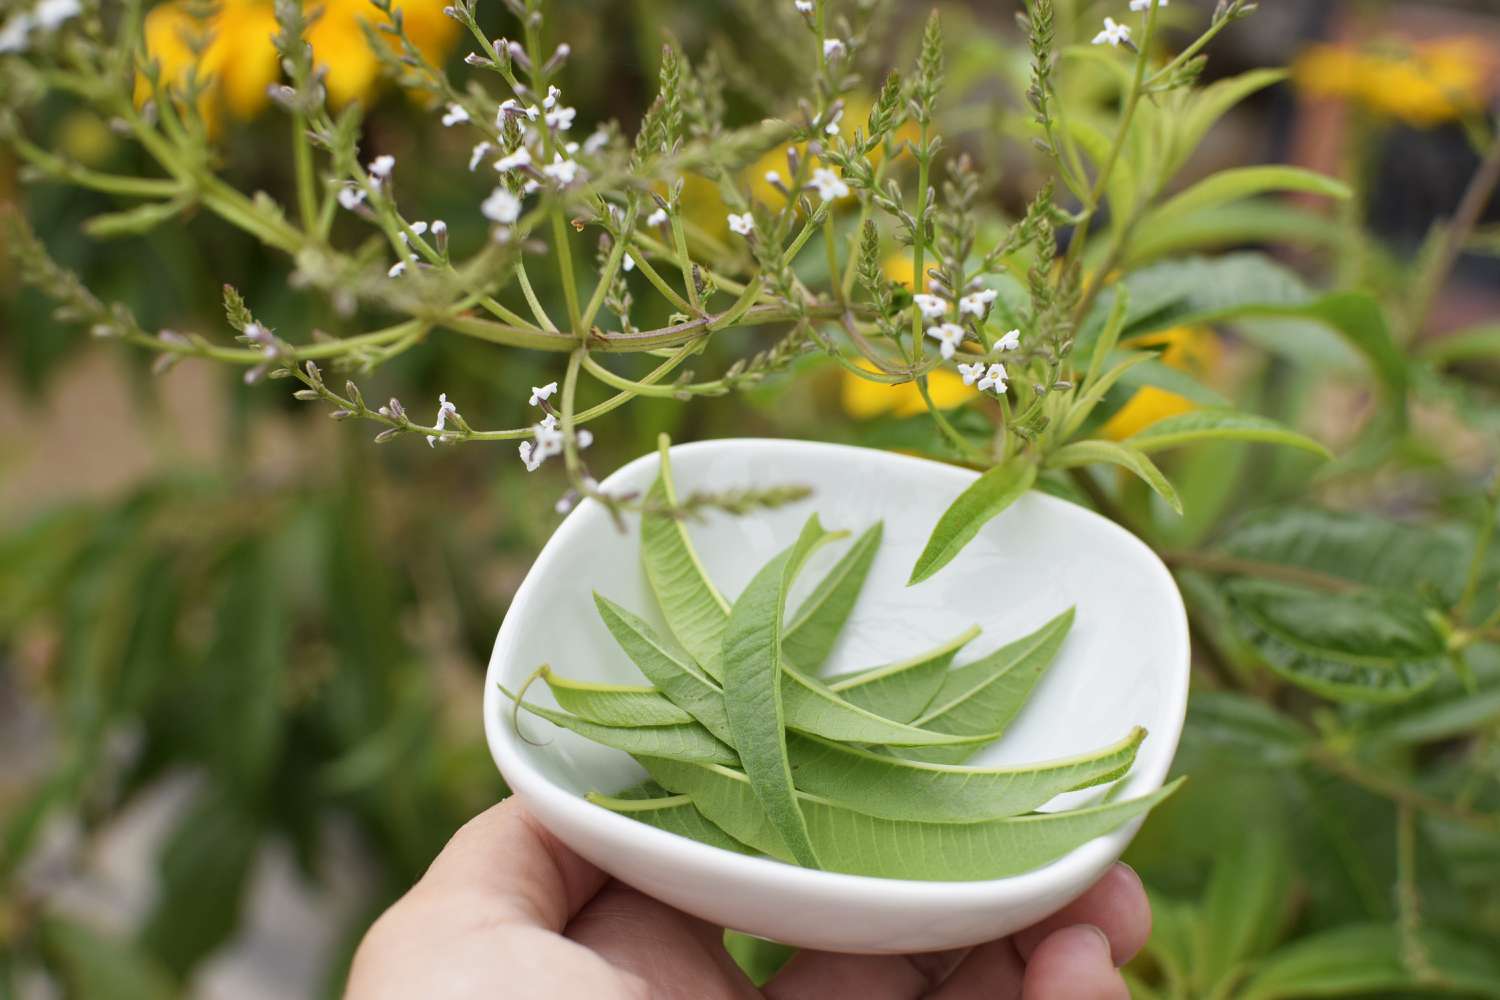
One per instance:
(1125, 663)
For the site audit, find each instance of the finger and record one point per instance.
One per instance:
(992, 971)
(521, 872)
(1116, 904)
(677, 954)
(819, 974)
(1074, 964)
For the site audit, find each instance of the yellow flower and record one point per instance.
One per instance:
(1425, 84)
(898, 268)
(1193, 349)
(237, 53)
(866, 400)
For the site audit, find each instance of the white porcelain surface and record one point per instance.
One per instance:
(1125, 663)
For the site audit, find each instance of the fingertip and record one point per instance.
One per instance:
(1074, 963)
(1116, 905)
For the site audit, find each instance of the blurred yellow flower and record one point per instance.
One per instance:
(1424, 84)
(1193, 349)
(898, 268)
(866, 400)
(234, 43)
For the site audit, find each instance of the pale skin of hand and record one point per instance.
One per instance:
(507, 911)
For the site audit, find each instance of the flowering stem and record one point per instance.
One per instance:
(666, 290)
(607, 274)
(686, 263)
(963, 444)
(565, 270)
(307, 196)
(919, 242)
(531, 299)
(655, 247)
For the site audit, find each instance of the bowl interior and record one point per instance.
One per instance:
(1123, 664)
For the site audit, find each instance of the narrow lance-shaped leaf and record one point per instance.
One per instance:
(859, 844)
(1220, 425)
(983, 697)
(1081, 453)
(688, 741)
(813, 630)
(900, 691)
(975, 507)
(1246, 182)
(674, 814)
(678, 678)
(614, 704)
(893, 788)
(694, 609)
(752, 689)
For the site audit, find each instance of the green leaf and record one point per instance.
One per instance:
(858, 844)
(813, 630)
(1245, 909)
(687, 741)
(1081, 453)
(752, 689)
(1262, 222)
(976, 506)
(1096, 391)
(1364, 646)
(1204, 108)
(1480, 343)
(93, 965)
(1155, 373)
(1244, 182)
(614, 704)
(1450, 709)
(678, 678)
(980, 699)
(674, 814)
(900, 691)
(1367, 959)
(1220, 425)
(1249, 726)
(893, 788)
(694, 609)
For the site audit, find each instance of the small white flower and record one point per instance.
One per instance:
(456, 116)
(381, 166)
(511, 161)
(657, 218)
(417, 229)
(950, 335)
(832, 128)
(971, 373)
(564, 172)
(744, 224)
(833, 48)
(550, 101)
(774, 179)
(439, 228)
(561, 119)
(995, 379)
(479, 152)
(257, 334)
(511, 106)
(829, 184)
(570, 148)
(532, 186)
(547, 440)
(502, 207)
(1144, 5)
(350, 197)
(538, 394)
(1010, 341)
(50, 14)
(444, 409)
(932, 307)
(584, 438)
(803, 6)
(13, 33)
(596, 141)
(396, 270)
(529, 456)
(1113, 34)
(627, 263)
(977, 303)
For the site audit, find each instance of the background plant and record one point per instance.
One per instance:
(1099, 273)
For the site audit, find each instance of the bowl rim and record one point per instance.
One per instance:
(526, 780)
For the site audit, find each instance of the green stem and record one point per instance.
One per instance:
(307, 196)
(531, 300)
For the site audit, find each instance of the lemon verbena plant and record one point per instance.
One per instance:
(1023, 309)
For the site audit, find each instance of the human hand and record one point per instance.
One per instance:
(506, 910)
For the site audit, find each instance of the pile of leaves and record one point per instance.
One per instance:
(863, 773)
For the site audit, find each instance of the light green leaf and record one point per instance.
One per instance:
(1094, 394)
(812, 708)
(858, 844)
(1367, 959)
(893, 788)
(1481, 343)
(694, 609)
(976, 506)
(614, 704)
(688, 741)
(1205, 107)
(752, 689)
(901, 690)
(983, 697)
(1155, 373)
(1095, 452)
(813, 630)
(674, 814)
(677, 677)
(1220, 425)
(1364, 646)
(1244, 182)
(1249, 223)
